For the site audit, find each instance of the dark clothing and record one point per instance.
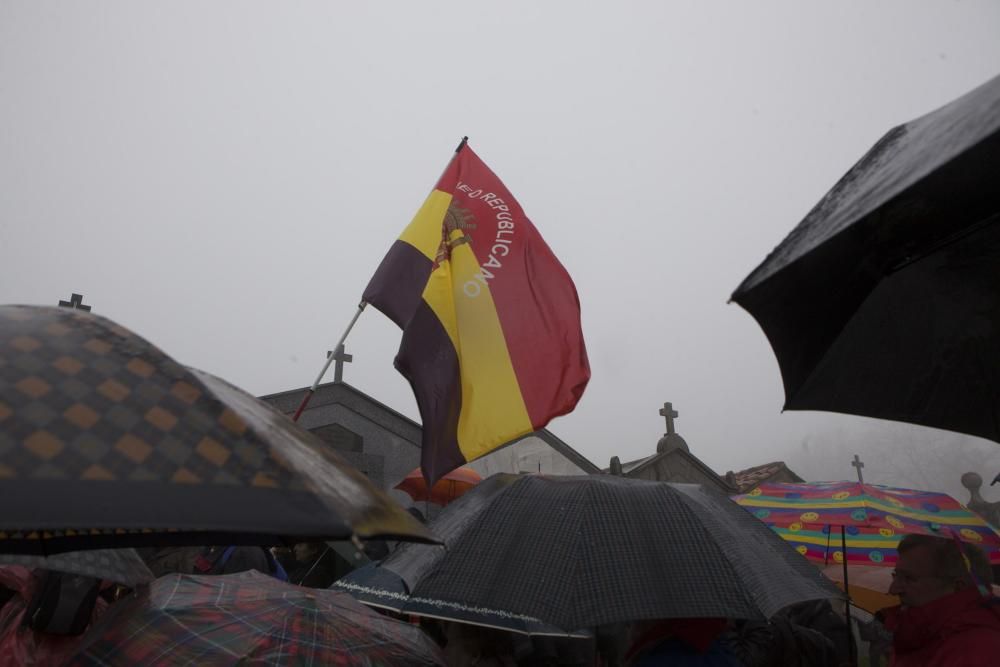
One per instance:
(683, 641)
(781, 642)
(320, 572)
(241, 559)
(676, 652)
(208, 560)
(961, 629)
(170, 560)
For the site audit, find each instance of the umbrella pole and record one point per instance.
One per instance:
(826, 557)
(847, 596)
(329, 360)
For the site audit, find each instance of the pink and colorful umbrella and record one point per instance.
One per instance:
(874, 519)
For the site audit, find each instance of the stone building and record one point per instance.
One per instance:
(990, 511)
(747, 480)
(385, 444)
(672, 462)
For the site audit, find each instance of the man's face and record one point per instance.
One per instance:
(915, 582)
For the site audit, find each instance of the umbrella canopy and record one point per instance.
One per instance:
(387, 584)
(380, 587)
(883, 301)
(122, 566)
(106, 441)
(578, 552)
(868, 587)
(249, 617)
(875, 518)
(445, 490)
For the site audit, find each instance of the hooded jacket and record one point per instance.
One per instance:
(958, 630)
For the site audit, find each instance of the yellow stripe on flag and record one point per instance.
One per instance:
(492, 404)
(424, 231)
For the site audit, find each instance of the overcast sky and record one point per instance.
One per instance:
(224, 177)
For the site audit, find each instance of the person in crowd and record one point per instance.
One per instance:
(688, 642)
(946, 615)
(212, 560)
(473, 645)
(803, 635)
(316, 565)
(285, 557)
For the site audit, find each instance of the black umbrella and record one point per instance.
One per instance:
(380, 587)
(107, 442)
(884, 301)
(581, 552)
(387, 584)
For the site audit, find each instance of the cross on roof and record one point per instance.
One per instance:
(75, 301)
(340, 358)
(670, 414)
(859, 465)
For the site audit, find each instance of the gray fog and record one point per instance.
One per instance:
(224, 177)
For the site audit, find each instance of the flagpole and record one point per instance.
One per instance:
(329, 360)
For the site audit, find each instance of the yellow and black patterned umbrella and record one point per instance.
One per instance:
(105, 441)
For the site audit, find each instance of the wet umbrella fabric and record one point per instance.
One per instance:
(380, 587)
(387, 584)
(108, 442)
(249, 617)
(882, 302)
(121, 566)
(579, 552)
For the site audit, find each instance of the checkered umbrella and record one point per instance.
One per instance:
(580, 552)
(105, 441)
(387, 584)
(249, 618)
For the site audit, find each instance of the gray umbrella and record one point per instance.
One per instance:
(581, 552)
(122, 566)
(387, 584)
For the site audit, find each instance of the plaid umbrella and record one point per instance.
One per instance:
(105, 441)
(249, 617)
(580, 552)
(122, 566)
(875, 518)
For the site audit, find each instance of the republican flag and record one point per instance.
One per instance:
(492, 343)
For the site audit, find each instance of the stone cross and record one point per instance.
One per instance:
(859, 465)
(338, 368)
(670, 414)
(75, 301)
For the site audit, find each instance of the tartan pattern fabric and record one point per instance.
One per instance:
(122, 566)
(579, 552)
(105, 441)
(249, 617)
